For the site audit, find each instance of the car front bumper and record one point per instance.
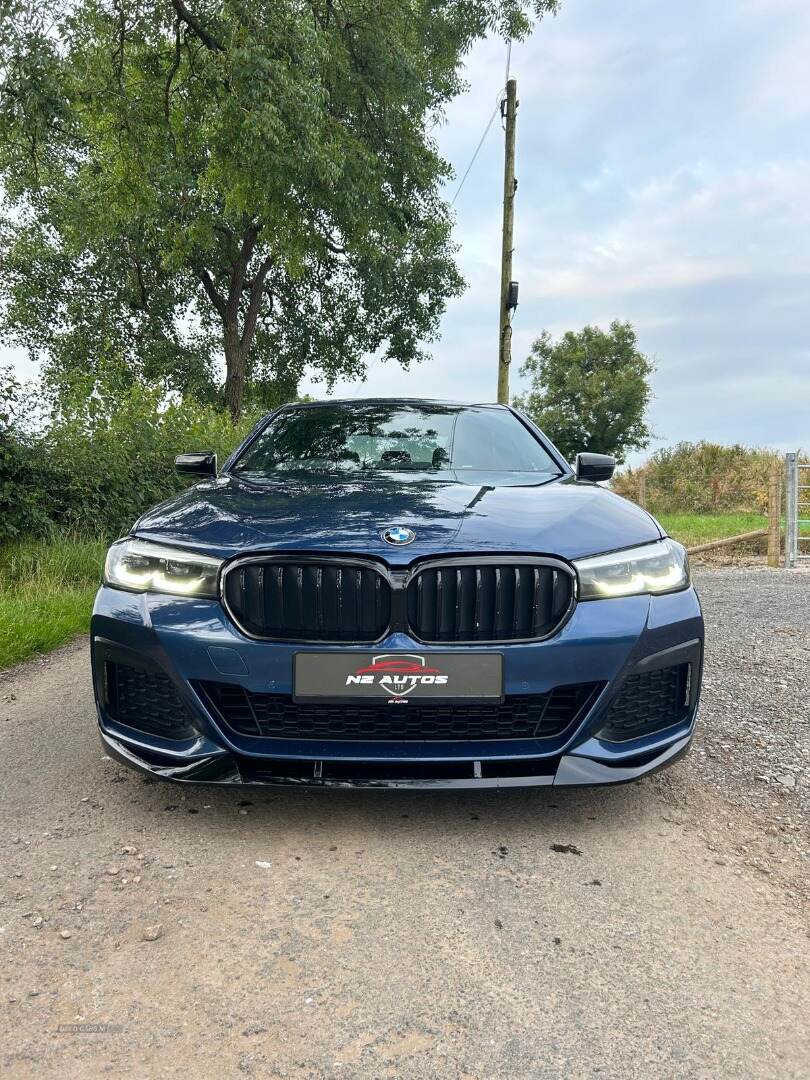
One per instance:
(192, 642)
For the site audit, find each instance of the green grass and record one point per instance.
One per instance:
(694, 529)
(46, 594)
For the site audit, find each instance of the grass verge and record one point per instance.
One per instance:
(694, 529)
(46, 594)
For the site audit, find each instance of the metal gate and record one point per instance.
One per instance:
(797, 511)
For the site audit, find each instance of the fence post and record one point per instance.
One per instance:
(642, 491)
(774, 513)
(791, 509)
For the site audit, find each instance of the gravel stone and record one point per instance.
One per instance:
(754, 720)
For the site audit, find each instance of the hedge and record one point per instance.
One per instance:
(93, 469)
(703, 478)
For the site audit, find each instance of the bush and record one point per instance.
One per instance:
(24, 483)
(101, 460)
(113, 466)
(703, 478)
(25, 478)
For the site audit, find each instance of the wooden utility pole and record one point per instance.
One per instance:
(509, 187)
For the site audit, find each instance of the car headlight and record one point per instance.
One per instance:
(654, 568)
(140, 566)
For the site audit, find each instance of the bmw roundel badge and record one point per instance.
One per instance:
(399, 535)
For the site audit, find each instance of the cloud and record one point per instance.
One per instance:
(688, 228)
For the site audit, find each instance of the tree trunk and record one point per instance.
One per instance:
(235, 370)
(236, 345)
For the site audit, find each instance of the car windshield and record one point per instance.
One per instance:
(395, 436)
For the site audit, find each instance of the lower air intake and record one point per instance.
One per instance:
(648, 701)
(147, 700)
(277, 716)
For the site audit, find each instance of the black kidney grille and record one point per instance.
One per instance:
(648, 701)
(504, 602)
(528, 716)
(308, 601)
(146, 700)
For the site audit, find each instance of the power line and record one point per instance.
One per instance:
(495, 112)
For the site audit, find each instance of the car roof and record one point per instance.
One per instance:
(394, 401)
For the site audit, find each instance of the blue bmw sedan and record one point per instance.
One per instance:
(397, 593)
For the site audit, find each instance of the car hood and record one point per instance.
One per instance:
(334, 513)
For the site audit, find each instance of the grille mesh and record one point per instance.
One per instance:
(647, 702)
(146, 700)
(531, 716)
(309, 601)
(504, 602)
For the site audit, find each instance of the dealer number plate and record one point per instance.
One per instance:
(397, 677)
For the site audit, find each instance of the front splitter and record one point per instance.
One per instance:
(224, 770)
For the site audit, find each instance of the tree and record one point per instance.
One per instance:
(251, 178)
(590, 390)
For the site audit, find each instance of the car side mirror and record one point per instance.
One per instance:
(204, 464)
(595, 467)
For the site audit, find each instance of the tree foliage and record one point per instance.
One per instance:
(253, 178)
(23, 474)
(590, 390)
(100, 455)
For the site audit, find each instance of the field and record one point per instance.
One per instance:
(694, 529)
(47, 589)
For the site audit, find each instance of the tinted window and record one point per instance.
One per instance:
(367, 436)
(493, 440)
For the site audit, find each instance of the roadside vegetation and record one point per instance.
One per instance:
(100, 452)
(46, 594)
(694, 529)
(703, 478)
(76, 469)
(704, 491)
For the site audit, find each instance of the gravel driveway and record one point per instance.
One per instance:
(653, 930)
(753, 744)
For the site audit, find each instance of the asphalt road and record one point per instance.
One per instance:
(401, 935)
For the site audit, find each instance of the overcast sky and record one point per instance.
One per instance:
(664, 170)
